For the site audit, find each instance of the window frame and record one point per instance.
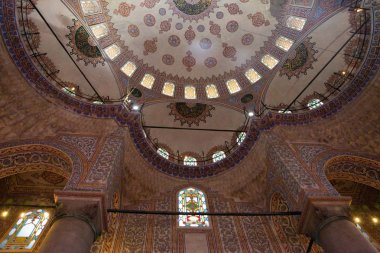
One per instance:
(10, 239)
(207, 210)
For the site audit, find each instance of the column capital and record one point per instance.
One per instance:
(319, 211)
(87, 206)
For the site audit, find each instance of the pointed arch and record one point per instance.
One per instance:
(35, 155)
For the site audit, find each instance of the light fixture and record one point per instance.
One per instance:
(4, 214)
(359, 10)
(375, 220)
(135, 107)
(357, 220)
(251, 114)
(46, 215)
(22, 215)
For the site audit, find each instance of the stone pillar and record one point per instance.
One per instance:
(78, 220)
(327, 221)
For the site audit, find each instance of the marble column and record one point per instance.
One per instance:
(327, 221)
(78, 220)
(69, 235)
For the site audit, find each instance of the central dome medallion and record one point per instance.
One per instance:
(192, 41)
(192, 9)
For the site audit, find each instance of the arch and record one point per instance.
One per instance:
(36, 155)
(191, 199)
(354, 168)
(340, 164)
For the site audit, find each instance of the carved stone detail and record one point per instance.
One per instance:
(86, 206)
(319, 211)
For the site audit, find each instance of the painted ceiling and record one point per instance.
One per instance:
(253, 55)
(109, 59)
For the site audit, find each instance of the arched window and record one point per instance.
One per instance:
(25, 232)
(194, 201)
(90, 7)
(163, 152)
(314, 103)
(284, 111)
(217, 156)
(241, 138)
(70, 91)
(190, 161)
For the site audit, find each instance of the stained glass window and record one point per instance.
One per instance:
(284, 111)
(90, 7)
(217, 156)
(164, 153)
(194, 201)
(314, 103)
(296, 23)
(70, 91)
(241, 138)
(212, 91)
(190, 161)
(168, 89)
(25, 232)
(99, 30)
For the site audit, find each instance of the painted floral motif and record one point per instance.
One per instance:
(300, 60)
(210, 62)
(150, 46)
(189, 61)
(233, 9)
(205, 43)
(284, 226)
(190, 35)
(124, 9)
(232, 26)
(149, 20)
(83, 45)
(229, 52)
(52, 178)
(168, 59)
(215, 29)
(219, 15)
(174, 41)
(179, 26)
(166, 25)
(201, 28)
(247, 39)
(149, 3)
(133, 30)
(258, 19)
(190, 114)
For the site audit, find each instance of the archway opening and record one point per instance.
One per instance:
(365, 207)
(26, 207)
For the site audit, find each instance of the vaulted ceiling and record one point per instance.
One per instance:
(194, 64)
